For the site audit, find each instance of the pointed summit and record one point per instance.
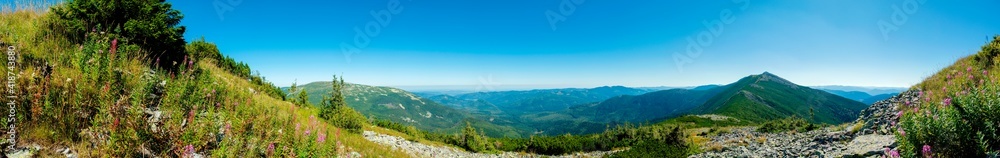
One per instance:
(767, 76)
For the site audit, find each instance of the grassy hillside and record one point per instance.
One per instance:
(769, 97)
(102, 98)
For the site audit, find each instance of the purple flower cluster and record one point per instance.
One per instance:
(927, 151)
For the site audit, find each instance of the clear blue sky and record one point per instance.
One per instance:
(601, 42)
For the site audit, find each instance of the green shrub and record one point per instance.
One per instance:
(409, 130)
(152, 24)
(988, 56)
(475, 141)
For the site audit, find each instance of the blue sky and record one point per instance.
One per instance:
(599, 42)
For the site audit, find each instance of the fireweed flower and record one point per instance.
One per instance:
(927, 151)
(320, 137)
(270, 149)
(894, 153)
(947, 101)
(297, 125)
(189, 150)
(114, 47)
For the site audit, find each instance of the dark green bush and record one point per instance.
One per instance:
(475, 141)
(988, 56)
(151, 24)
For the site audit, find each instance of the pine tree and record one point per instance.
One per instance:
(334, 109)
(303, 99)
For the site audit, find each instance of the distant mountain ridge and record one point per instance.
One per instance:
(549, 99)
(873, 91)
(588, 110)
(754, 98)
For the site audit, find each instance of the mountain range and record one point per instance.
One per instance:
(754, 98)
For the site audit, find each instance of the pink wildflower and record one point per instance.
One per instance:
(320, 137)
(189, 151)
(927, 151)
(270, 149)
(297, 125)
(114, 47)
(900, 113)
(902, 132)
(947, 101)
(894, 154)
(985, 72)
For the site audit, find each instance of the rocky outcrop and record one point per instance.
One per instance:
(881, 117)
(874, 135)
(826, 142)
